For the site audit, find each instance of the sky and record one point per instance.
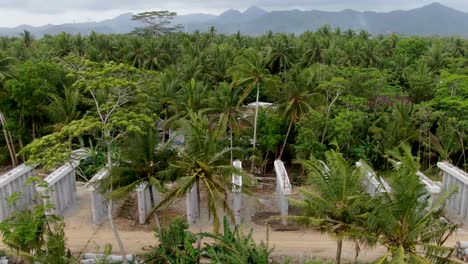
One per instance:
(41, 12)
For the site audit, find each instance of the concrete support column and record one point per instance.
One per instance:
(192, 205)
(237, 192)
(142, 198)
(283, 189)
(99, 207)
(155, 195)
(464, 202)
(453, 176)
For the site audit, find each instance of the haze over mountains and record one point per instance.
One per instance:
(433, 19)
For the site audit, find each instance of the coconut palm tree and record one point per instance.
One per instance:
(203, 162)
(225, 102)
(250, 70)
(64, 109)
(142, 157)
(295, 100)
(5, 65)
(404, 221)
(335, 203)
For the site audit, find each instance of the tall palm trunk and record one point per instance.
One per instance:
(255, 127)
(286, 139)
(9, 143)
(199, 220)
(339, 247)
(231, 139)
(111, 205)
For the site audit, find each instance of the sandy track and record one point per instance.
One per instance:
(83, 236)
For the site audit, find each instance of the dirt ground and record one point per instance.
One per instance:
(83, 236)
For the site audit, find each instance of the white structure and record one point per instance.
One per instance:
(372, 184)
(455, 177)
(98, 202)
(192, 205)
(432, 188)
(283, 189)
(237, 192)
(61, 190)
(263, 105)
(145, 202)
(13, 182)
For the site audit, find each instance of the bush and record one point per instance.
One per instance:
(175, 245)
(236, 248)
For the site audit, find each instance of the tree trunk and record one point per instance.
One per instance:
(339, 246)
(286, 139)
(328, 115)
(230, 139)
(8, 141)
(110, 207)
(33, 129)
(255, 128)
(199, 221)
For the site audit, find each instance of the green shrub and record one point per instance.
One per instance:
(236, 248)
(175, 245)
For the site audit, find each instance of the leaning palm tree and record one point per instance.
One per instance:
(404, 222)
(335, 202)
(224, 102)
(63, 110)
(250, 71)
(295, 100)
(5, 65)
(203, 161)
(142, 157)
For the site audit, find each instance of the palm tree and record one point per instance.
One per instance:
(202, 162)
(5, 65)
(405, 223)
(63, 110)
(27, 38)
(295, 99)
(335, 203)
(225, 102)
(156, 57)
(436, 57)
(281, 54)
(136, 54)
(79, 45)
(142, 157)
(250, 70)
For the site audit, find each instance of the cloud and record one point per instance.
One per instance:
(39, 12)
(184, 6)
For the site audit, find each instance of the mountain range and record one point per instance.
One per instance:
(432, 19)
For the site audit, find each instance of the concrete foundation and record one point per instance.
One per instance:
(283, 189)
(454, 177)
(99, 207)
(146, 200)
(433, 189)
(237, 192)
(372, 183)
(192, 205)
(14, 182)
(61, 190)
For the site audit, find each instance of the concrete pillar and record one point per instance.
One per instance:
(155, 195)
(192, 205)
(98, 202)
(237, 192)
(464, 203)
(147, 201)
(142, 199)
(283, 189)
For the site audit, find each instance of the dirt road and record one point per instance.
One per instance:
(83, 236)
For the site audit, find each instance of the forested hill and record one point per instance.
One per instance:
(433, 19)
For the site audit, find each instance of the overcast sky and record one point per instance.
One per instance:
(40, 12)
